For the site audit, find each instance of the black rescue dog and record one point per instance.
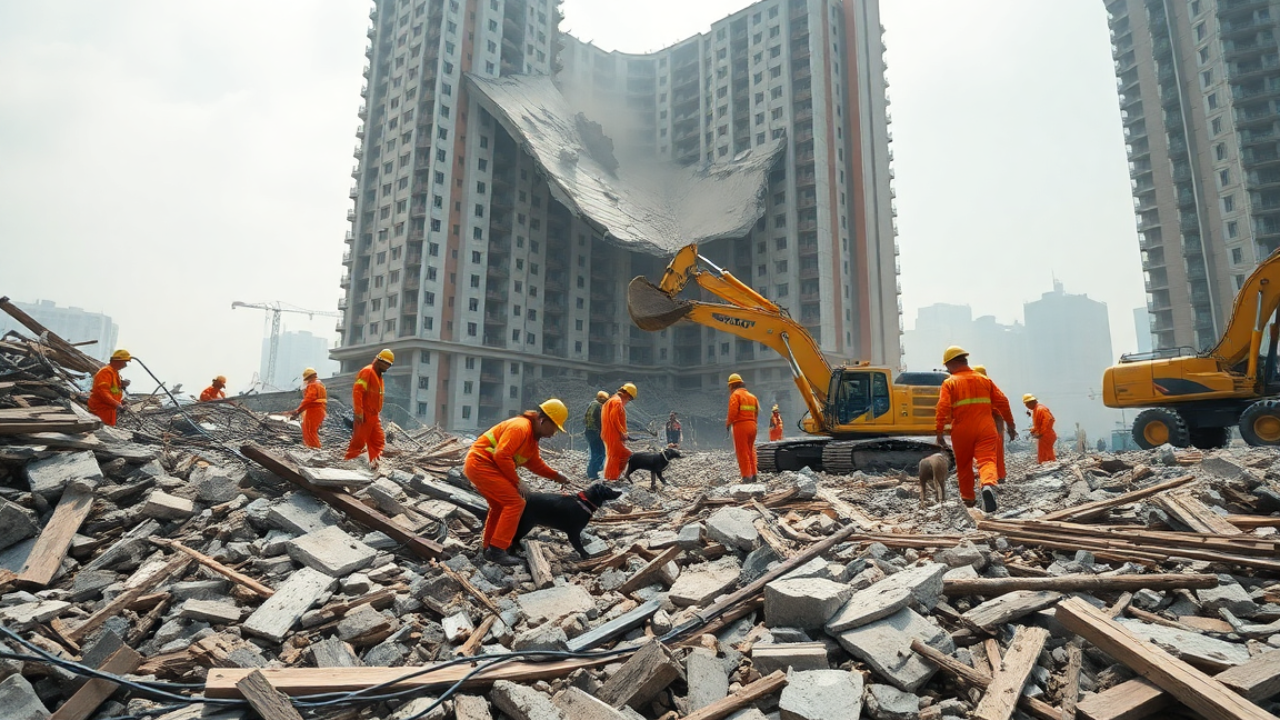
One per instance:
(654, 462)
(567, 513)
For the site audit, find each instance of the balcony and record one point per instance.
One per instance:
(413, 259)
(345, 281)
(355, 191)
(349, 237)
(495, 317)
(498, 271)
(351, 216)
(363, 112)
(810, 273)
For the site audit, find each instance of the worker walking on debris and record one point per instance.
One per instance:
(1041, 429)
(967, 400)
(314, 406)
(613, 431)
(216, 391)
(595, 446)
(1000, 432)
(366, 403)
(491, 467)
(674, 431)
(744, 409)
(107, 396)
(775, 425)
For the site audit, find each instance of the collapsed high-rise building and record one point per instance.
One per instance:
(511, 180)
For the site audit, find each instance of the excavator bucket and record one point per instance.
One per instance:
(651, 309)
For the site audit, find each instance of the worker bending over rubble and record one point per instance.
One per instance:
(107, 396)
(967, 400)
(744, 409)
(491, 467)
(1000, 432)
(1041, 429)
(366, 402)
(216, 391)
(613, 431)
(314, 406)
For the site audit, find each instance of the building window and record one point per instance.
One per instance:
(1200, 32)
(1216, 125)
(466, 412)
(1229, 203)
(468, 387)
(424, 383)
(422, 409)
(514, 392)
(1237, 256)
(1233, 230)
(1220, 151)
(1224, 177)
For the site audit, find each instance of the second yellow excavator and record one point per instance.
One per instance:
(1196, 398)
(861, 417)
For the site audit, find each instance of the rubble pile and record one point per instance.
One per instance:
(206, 583)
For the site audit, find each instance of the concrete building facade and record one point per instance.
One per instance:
(1198, 83)
(298, 349)
(467, 262)
(72, 324)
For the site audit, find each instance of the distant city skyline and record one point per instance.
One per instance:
(73, 324)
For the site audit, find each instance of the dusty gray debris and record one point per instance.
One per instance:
(20, 701)
(163, 506)
(885, 645)
(1227, 595)
(578, 705)
(277, 614)
(821, 695)
(331, 551)
(48, 477)
(782, 656)
(16, 524)
(733, 527)
(300, 514)
(523, 703)
(554, 604)
(546, 636)
(215, 612)
(707, 679)
(690, 536)
(885, 702)
(806, 603)
(471, 707)
(919, 587)
(698, 584)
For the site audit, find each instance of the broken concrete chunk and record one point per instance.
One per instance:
(701, 583)
(797, 656)
(16, 524)
(470, 707)
(48, 477)
(578, 705)
(457, 627)
(214, 612)
(919, 587)
(885, 645)
(806, 603)
(821, 695)
(215, 485)
(1227, 595)
(733, 527)
(331, 551)
(546, 636)
(299, 514)
(690, 536)
(554, 604)
(885, 702)
(1199, 650)
(163, 506)
(20, 701)
(276, 616)
(707, 678)
(645, 674)
(748, 491)
(523, 703)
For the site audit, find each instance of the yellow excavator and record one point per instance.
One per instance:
(860, 416)
(1194, 399)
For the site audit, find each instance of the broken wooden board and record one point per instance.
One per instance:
(1088, 511)
(51, 546)
(539, 567)
(1256, 680)
(86, 700)
(1194, 514)
(269, 703)
(990, 615)
(1014, 669)
(990, 587)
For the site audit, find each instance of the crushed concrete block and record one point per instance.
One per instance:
(277, 615)
(547, 636)
(690, 536)
(20, 701)
(471, 707)
(707, 677)
(757, 563)
(807, 486)
(578, 705)
(964, 553)
(16, 524)
(885, 645)
(1200, 650)
(821, 695)
(31, 613)
(885, 702)
(744, 492)
(163, 506)
(919, 586)
(331, 551)
(554, 604)
(733, 528)
(799, 656)
(415, 708)
(1227, 595)
(701, 583)
(661, 539)
(361, 622)
(49, 476)
(457, 627)
(806, 603)
(523, 703)
(300, 514)
(215, 485)
(214, 612)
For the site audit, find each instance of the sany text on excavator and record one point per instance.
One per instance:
(1196, 398)
(861, 417)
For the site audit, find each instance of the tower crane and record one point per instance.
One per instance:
(275, 308)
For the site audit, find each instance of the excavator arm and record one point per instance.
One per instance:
(1255, 304)
(745, 313)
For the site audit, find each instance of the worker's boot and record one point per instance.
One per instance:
(989, 498)
(969, 502)
(501, 557)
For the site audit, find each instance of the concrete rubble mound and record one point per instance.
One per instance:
(198, 576)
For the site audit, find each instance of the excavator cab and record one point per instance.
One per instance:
(859, 395)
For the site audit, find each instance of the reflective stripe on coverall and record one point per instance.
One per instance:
(969, 401)
(1042, 425)
(491, 468)
(366, 398)
(613, 428)
(744, 408)
(315, 400)
(775, 427)
(105, 397)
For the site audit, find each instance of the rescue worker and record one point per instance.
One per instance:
(595, 446)
(744, 409)
(775, 425)
(216, 391)
(366, 402)
(613, 431)
(1041, 429)
(674, 430)
(314, 406)
(107, 396)
(1000, 431)
(491, 467)
(968, 400)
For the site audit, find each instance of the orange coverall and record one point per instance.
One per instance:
(212, 393)
(105, 397)
(744, 408)
(967, 400)
(775, 426)
(1042, 425)
(366, 397)
(491, 468)
(314, 407)
(613, 428)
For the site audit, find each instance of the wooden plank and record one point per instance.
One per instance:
(269, 703)
(615, 628)
(1032, 706)
(645, 574)
(1071, 681)
(539, 568)
(1007, 680)
(221, 682)
(748, 694)
(236, 577)
(1088, 511)
(472, 643)
(141, 586)
(1193, 688)
(345, 503)
(846, 511)
(1195, 514)
(648, 671)
(990, 615)
(51, 547)
(86, 700)
(1257, 679)
(989, 587)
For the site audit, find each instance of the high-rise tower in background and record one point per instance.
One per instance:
(1199, 82)
(493, 258)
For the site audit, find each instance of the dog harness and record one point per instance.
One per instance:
(586, 504)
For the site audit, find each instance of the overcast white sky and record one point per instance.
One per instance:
(160, 159)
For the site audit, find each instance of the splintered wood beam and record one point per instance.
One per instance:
(86, 700)
(237, 577)
(1088, 511)
(51, 547)
(1008, 678)
(269, 703)
(989, 587)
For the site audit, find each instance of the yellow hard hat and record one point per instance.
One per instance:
(1028, 398)
(602, 396)
(221, 378)
(952, 353)
(555, 410)
(121, 355)
(980, 369)
(308, 373)
(735, 377)
(629, 388)
(775, 408)
(387, 356)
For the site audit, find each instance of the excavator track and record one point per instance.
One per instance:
(844, 457)
(783, 455)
